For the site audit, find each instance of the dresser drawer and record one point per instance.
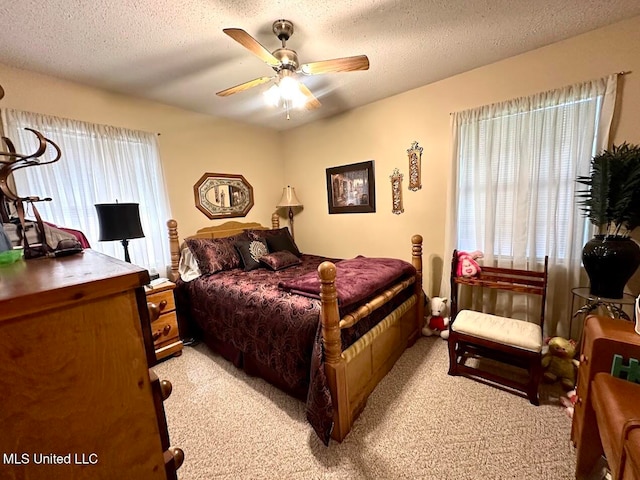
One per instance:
(164, 301)
(165, 330)
(603, 338)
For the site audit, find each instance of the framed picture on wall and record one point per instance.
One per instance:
(351, 188)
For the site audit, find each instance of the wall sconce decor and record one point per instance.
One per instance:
(396, 191)
(415, 166)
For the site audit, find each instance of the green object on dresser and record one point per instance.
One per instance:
(11, 256)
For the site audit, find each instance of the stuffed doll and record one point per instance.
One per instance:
(467, 265)
(438, 323)
(569, 402)
(558, 363)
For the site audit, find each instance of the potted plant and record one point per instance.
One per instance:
(611, 201)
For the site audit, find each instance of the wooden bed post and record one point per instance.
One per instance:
(174, 248)
(334, 365)
(416, 260)
(275, 220)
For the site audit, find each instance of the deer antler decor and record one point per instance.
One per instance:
(15, 161)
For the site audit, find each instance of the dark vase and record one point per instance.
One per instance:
(610, 262)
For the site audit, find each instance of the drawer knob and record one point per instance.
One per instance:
(154, 311)
(163, 305)
(165, 389)
(178, 456)
(584, 359)
(158, 333)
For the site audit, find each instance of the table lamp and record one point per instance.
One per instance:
(119, 221)
(289, 200)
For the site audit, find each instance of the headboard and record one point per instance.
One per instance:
(226, 229)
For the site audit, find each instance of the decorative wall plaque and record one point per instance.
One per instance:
(219, 195)
(415, 166)
(396, 191)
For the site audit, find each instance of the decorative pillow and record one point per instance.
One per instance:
(277, 240)
(250, 252)
(216, 254)
(280, 260)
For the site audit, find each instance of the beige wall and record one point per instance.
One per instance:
(190, 143)
(382, 131)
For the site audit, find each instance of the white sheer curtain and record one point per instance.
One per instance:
(99, 164)
(513, 188)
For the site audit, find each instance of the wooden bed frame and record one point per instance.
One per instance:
(352, 374)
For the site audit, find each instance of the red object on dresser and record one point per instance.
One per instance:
(76, 233)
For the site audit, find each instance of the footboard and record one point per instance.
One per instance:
(354, 373)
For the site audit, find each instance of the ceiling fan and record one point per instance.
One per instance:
(284, 61)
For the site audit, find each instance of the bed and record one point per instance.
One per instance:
(329, 348)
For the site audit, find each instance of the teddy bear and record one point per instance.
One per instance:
(467, 265)
(438, 323)
(558, 363)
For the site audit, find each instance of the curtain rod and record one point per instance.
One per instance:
(623, 72)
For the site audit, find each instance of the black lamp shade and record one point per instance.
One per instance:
(119, 221)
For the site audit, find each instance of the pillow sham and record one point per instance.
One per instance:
(277, 240)
(188, 266)
(280, 260)
(216, 254)
(250, 252)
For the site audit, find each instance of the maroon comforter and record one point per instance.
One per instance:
(279, 331)
(355, 279)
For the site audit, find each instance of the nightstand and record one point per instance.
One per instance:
(164, 323)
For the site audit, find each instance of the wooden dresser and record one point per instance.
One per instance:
(77, 398)
(603, 339)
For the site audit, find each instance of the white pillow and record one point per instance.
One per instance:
(188, 267)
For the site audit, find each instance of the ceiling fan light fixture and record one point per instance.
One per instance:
(290, 90)
(286, 93)
(272, 96)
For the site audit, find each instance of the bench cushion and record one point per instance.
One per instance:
(507, 331)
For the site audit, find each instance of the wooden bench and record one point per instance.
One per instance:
(475, 334)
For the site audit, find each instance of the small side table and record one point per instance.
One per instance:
(613, 307)
(164, 324)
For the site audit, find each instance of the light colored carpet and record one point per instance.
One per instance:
(419, 423)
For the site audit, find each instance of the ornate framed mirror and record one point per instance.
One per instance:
(219, 195)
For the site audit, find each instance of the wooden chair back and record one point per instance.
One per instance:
(506, 279)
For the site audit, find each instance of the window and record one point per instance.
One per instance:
(515, 184)
(99, 164)
(524, 184)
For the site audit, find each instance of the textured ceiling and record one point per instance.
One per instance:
(175, 52)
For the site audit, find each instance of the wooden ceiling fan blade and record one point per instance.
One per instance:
(251, 44)
(243, 86)
(312, 101)
(346, 64)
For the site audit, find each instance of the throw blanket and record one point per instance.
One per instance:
(356, 279)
